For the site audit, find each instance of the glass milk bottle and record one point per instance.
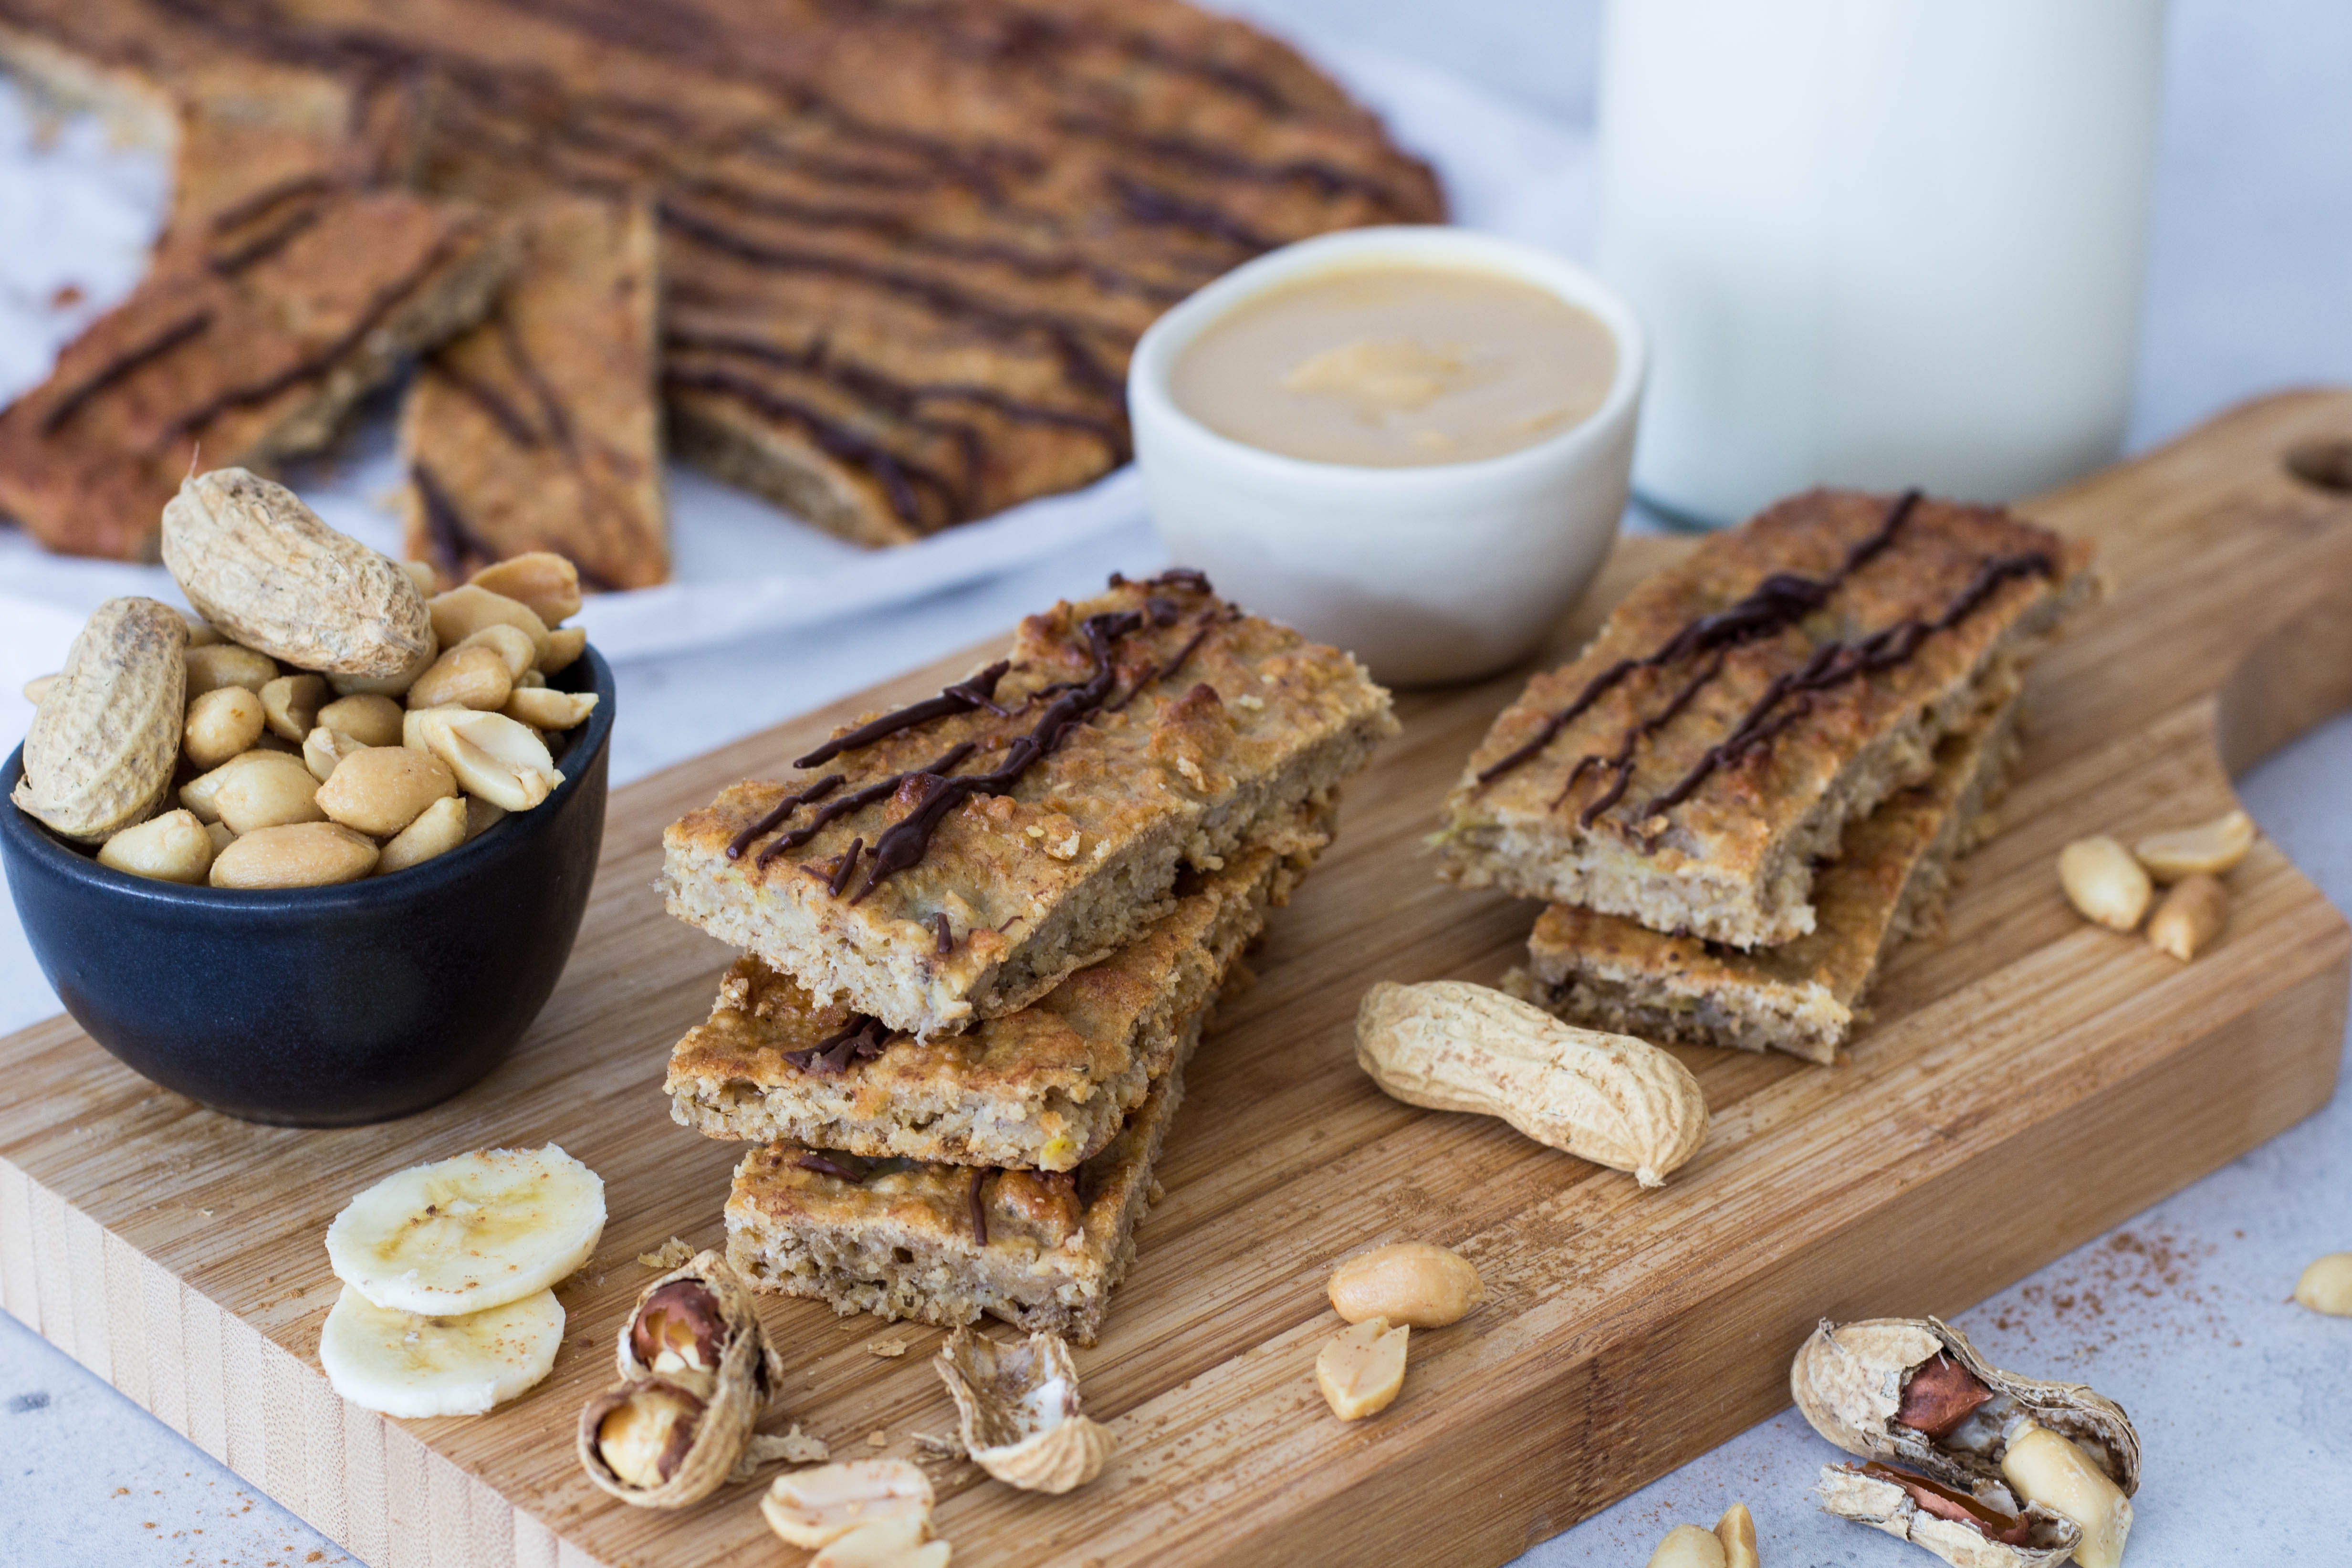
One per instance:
(1877, 242)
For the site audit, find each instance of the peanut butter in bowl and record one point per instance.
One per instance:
(1409, 442)
(1394, 366)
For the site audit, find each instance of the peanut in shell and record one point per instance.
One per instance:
(260, 566)
(104, 739)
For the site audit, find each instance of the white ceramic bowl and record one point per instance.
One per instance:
(1427, 574)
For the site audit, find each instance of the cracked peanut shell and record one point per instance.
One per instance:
(106, 734)
(697, 1372)
(1913, 1394)
(1018, 1412)
(699, 1317)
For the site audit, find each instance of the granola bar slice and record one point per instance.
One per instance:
(254, 335)
(955, 860)
(1803, 997)
(1046, 1088)
(1740, 708)
(540, 428)
(950, 1244)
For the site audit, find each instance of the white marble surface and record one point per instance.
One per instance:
(2181, 1314)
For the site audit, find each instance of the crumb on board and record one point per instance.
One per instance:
(669, 1254)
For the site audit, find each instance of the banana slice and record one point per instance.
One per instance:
(403, 1364)
(468, 1234)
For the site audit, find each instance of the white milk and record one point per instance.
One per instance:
(1878, 242)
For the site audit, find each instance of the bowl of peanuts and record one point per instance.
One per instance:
(317, 854)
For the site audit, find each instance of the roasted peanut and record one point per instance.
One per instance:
(816, 1507)
(295, 855)
(2326, 1285)
(1610, 1099)
(461, 612)
(2104, 882)
(291, 703)
(422, 574)
(104, 738)
(885, 1543)
(2190, 917)
(544, 710)
(1361, 1370)
(225, 664)
(1736, 1530)
(465, 676)
(564, 645)
(200, 794)
(2045, 1466)
(530, 680)
(172, 848)
(324, 748)
(259, 564)
(438, 828)
(370, 720)
(380, 790)
(503, 761)
(513, 646)
(221, 723)
(38, 688)
(218, 832)
(545, 583)
(1409, 1282)
(1688, 1546)
(270, 791)
(2211, 848)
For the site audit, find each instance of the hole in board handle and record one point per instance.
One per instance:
(2326, 463)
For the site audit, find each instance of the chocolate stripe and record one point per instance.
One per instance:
(122, 365)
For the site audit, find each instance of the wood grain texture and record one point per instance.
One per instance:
(2027, 1082)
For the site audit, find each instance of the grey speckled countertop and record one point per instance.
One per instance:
(2181, 1314)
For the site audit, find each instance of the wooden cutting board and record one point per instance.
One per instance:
(2028, 1080)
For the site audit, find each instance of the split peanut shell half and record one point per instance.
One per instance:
(1017, 1406)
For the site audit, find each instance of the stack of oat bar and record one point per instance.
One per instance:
(1753, 782)
(980, 938)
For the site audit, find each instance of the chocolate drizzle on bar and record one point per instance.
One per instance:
(775, 814)
(843, 870)
(974, 691)
(862, 1039)
(840, 1166)
(932, 790)
(908, 838)
(942, 935)
(1836, 663)
(1775, 604)
(979, 1207)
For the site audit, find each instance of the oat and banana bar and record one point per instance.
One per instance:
(949, 1243)
(956, 859)
(1605, 972)
(540, 428)
(286, 288)
(1046, 1088)
(1739, 709)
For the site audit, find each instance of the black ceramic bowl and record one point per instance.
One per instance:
(324, 1006)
